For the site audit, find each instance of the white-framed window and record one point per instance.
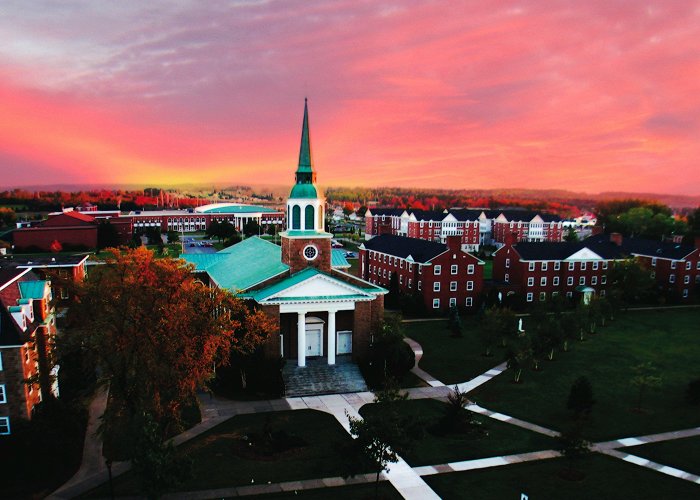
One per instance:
(555, 294)
(453, 286)
(453, 269)
(582, 280)
(594, 280)
(570, 280)
(543, 281)
(436, 286)
(470, 286)
(569, 294)
(555, 281)
(401, 264)
(3, 394)
(685, 293)
(400, 279)
(572, 265)
(4, 426)
(410, 281)
(529, 297)
(605, 264)
(595, 266)
(64, 293)
(470, 268)
(469, 302)
(508, 263)
(698, 266)
(530, 281)
(544, 266)
(686, 279)
(437, 270)
(436, 303)
(673, 264)
(671, 278)
(688, 265)
(453, 301)
(506, 278)
(0, 361)
(543, 296)
(557, 265)
(420, 285)
(583, 266)
(604, 279)
(531, 266)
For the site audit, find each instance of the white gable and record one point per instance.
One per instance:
(537, 218)
(584, 254)
(449, 218)
(318, 286)
(501, 218)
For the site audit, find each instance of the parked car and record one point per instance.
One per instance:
(350, 254)
(192, 245)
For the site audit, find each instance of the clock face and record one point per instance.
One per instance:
(310, 252)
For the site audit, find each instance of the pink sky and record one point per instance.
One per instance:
(587, 96)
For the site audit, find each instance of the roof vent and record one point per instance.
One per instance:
(53, 259)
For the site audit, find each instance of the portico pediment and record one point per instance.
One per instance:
(584, 254)
(311, 285)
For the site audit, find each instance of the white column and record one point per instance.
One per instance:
(301, 339)
(331, 337)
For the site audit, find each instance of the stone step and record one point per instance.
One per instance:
(317, 378)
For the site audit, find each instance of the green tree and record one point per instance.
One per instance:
(629, 283)
(134, 318)
(571, 235)
(7, 216)
(497, 325)
(251, 228)
(573, 446)
(518, 353)
(580, 397)
(645, 376)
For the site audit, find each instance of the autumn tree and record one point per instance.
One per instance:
(154, 333)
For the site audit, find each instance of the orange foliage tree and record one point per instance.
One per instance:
(155, 333)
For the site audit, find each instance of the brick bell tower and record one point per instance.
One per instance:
(305, 243)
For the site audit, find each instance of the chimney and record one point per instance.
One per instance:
(616, 238)
(454, 243)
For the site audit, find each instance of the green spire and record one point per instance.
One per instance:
(305, 163)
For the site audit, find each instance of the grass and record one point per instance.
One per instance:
(606, 478)
(352, 492)
(500, 439)
(488, 269)
(451, 360)
(679, 453)
(668, 339)
(215, 465)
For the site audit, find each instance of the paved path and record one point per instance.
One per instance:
(650, 438)
(418, 372)
(664, 469)
(511, 420)
(483, 463)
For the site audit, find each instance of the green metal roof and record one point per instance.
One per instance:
(23, 301)
(350, 296)
(32, 289)
(242, 209)
(297, 233)
(242, 265)
(15, 309)
(338, 259)
(304, 191)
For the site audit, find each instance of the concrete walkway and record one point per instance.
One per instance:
(664, 469)
(483, 463)
(418, 372)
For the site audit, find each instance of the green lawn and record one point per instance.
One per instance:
(451, 360)
(488, 269)
(606, 478)
(668, 339)
(353, 492)
(217, 466)
(682, 454)
(498, 439)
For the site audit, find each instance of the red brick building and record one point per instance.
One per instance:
(443, 275)
(27, 333)
(540, 270)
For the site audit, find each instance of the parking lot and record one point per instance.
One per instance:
(192, 245)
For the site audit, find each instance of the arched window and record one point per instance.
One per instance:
(309, 217)
(296, 217)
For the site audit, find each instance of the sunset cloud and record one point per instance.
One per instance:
(588, 96)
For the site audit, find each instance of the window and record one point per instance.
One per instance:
(583, 266)
(605, 264)
(671, 278)
(673, 264)
(0, 361)
(603, 279)
(569, 294)
(685, 293)
(544, 266)
(555, 281)
(409, 282)
(557, 265)
(470, 268)
(453, 286)
(437, 270)
(400, 280)
(688, 265)
(594, 280)
(529, 297)
(469, 302)
(3, 396)
(4, 426)
(571, 266)
(698, 266)
(508, 263)
(453, 269)
(401, 264)
(506, 278)
(582, 280)
(436, 286)
(64, 293)
(530, 281)
(595, 266)
(436, 303)
(652, 275)
(453, 302)
(570, 280)
(543, 281)
(686, 279)
(543, 296)
(420, 285)
(531, 266)
(470, 286)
